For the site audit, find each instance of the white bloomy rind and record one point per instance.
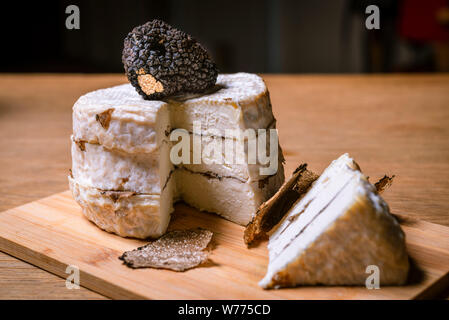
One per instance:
(334, 232)
(98, 167)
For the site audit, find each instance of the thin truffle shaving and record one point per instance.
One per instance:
(177, 250)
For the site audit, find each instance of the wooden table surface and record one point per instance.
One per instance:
(394, 124)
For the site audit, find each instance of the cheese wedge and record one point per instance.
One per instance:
(333, 233)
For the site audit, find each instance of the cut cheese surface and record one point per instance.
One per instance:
(229, 197)
(331, 235)
(324, 190)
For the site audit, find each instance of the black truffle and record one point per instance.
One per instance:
(162, 61)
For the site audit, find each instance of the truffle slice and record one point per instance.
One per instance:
(162, 61)
(271, 212)
(384, 183)
(178, 250)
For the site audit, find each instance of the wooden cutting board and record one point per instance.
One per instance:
(52, 233)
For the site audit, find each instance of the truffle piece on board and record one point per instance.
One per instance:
(177, 250)
(162, 61)
(271, 212)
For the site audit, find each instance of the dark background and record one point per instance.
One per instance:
(288, 36)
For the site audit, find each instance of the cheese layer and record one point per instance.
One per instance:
(136, 125)
(125, 213)
(122, 143)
